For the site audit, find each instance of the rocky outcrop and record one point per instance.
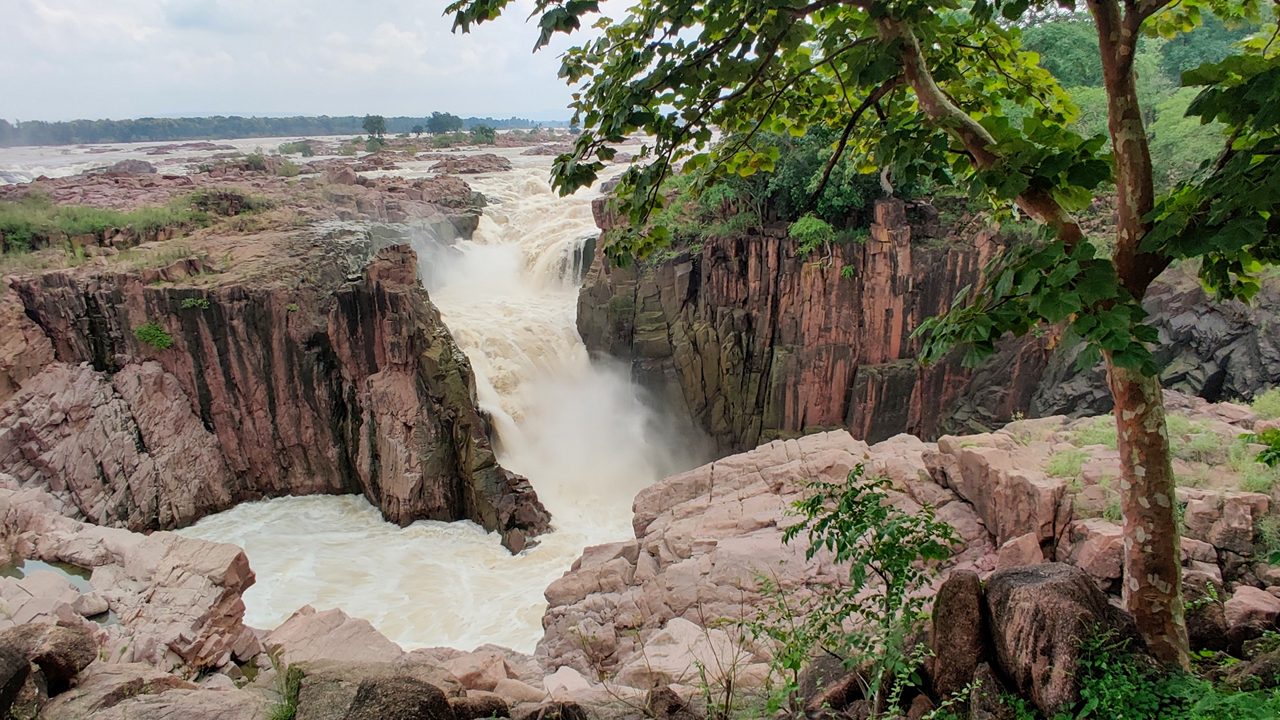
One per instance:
(339, 380)
(472, 164)
(758, 342)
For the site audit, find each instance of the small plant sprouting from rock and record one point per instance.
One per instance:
(153, 335)
(889, 555)
(194, 303)
(292, 307)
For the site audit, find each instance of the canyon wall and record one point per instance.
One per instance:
(758, 343)
(303, 363)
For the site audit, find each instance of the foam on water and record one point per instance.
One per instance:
(578, 429)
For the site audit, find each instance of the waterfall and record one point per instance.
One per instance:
(584, 435)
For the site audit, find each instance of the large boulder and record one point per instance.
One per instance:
(1249, 613)
(959, 633)
(310, 635)
(1040, 616)
(337, 690)
(60, 653)
(1205, 615)
(105, 685)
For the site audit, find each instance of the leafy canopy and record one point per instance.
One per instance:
(940, 91)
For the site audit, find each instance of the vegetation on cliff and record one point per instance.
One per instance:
(944, 92)
(35, 221)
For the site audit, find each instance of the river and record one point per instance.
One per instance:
(577, 428)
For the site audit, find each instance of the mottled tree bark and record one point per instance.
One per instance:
(1152, 557)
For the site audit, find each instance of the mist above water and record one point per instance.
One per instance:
(585, 436)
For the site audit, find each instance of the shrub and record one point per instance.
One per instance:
(292, 307)
(297, 147)
(866, 621)
(1267, 405)
(226, 202)
(194, 303)
(256, 161)
(1269, 439)
(287, 168)
(1067, 463)
(34, 221)
(154, 335)
(812, 233)
(484, 135)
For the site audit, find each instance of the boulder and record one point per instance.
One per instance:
(1019, 551)
(552, 711)
(479, 670)
(680, 653)
(479, 705)
(663, 703)
(519, 692)
(470, 164)
(203, 704)
(131, 167)
(332, 689)
(1205, 616)
(14, 670)
(59, 652)
(396, 698)
(959, 633)
(1249, 613)
(1039, 617)
(311, 635)
(1097, 547)
(986, 702)
(104, 685)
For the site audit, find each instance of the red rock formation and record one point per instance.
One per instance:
(274, 386)
(760, 343)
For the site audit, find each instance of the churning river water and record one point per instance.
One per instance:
(577, 428)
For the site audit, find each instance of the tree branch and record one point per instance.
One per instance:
(1038, 203)
(867, 102)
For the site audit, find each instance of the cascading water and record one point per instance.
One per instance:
(578, 429)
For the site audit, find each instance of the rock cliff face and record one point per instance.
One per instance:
(310, 376)
(758, 343)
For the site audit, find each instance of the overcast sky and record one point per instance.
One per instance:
(65, 59)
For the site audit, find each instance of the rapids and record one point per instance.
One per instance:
(578, 429)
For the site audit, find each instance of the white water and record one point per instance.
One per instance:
(579, 430)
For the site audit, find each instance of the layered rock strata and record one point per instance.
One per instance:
(758, 342)
(293, 365)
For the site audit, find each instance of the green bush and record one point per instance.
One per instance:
(194, 303)
(297, 147)
(484, 135)
(812, 233)
(153, 335)
(226, 202)
(1267, 405)
(889, 555)
(256, 161)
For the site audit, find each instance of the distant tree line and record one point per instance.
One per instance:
(39, 132)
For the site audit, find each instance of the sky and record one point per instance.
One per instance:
(68, 59)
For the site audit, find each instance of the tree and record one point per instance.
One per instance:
(932, 89)
(375, 125)
(443, 122)
(484, 135)
(418, 130)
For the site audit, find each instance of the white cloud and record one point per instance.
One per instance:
(130, 58)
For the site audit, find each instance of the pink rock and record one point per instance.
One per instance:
(1022, 550)
(1251, 606)
(309, 635)
(479, 670)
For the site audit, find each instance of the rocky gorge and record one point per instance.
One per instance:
(295, 351)
(756, 341)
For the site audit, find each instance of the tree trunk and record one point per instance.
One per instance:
(1152, 553)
